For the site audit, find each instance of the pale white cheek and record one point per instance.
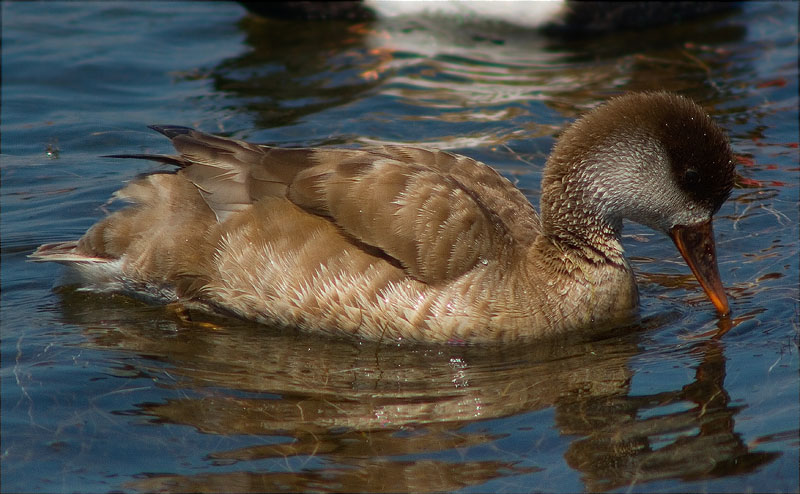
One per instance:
(642, 189)
(691, 215)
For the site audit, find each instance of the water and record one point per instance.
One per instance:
(105, 393)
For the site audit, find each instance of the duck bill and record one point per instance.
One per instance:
(696, 245)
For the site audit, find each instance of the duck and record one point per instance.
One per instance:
(401, 243)
(558, 18)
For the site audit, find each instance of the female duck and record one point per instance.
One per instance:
(398, 242)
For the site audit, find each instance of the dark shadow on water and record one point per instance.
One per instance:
(367, 417)
(291, 71)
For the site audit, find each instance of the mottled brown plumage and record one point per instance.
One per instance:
(398, 242)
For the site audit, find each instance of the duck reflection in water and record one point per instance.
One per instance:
(334, 412)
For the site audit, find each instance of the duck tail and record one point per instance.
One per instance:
(169, 131)
(161, 158)
(64, 253)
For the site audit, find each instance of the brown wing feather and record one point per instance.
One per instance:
(418, 206)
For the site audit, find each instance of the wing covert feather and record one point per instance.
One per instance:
(438, 214)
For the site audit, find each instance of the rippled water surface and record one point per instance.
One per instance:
(106, 393)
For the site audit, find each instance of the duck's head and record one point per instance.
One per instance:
(655, 158)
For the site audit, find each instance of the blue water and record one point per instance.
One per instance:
(103, 393)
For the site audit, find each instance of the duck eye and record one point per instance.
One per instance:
(692, 176)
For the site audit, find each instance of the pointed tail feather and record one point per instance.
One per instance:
(161, 158)
(63, 252)
(171, 130)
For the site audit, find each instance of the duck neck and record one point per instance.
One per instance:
(575, 216)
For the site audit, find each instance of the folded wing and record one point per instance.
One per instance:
(436, 214)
